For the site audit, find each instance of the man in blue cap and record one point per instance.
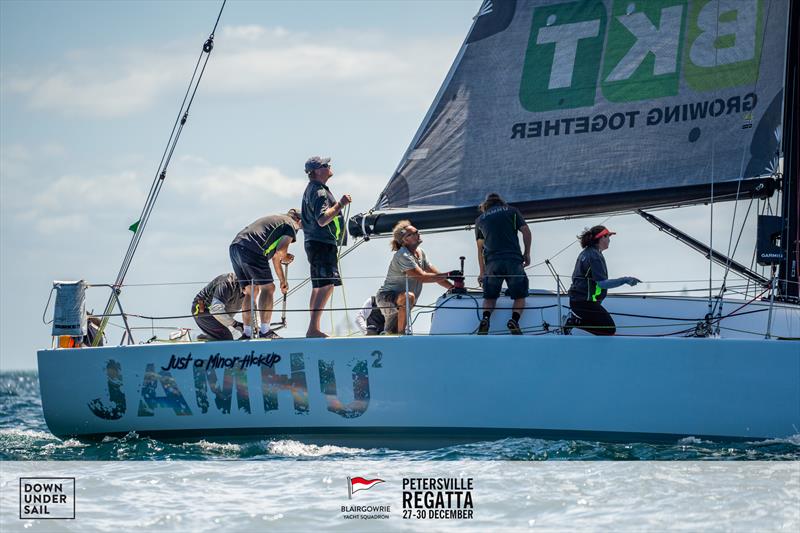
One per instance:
(323, 226)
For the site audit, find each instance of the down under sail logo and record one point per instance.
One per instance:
(355, 484)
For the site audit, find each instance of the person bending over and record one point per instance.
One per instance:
(266, 238)
(215, 306)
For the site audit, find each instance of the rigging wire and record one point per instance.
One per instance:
(161, 173)
(744, 151)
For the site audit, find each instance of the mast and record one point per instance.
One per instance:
(788, 275)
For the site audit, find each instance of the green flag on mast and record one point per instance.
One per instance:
(135, 226)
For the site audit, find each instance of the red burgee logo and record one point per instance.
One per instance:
(355, 484)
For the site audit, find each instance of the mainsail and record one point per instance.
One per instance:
(578, 107)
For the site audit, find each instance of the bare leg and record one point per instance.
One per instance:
(519, 305)
(401, 311)
(265, 299)
(317, 303)
(489, 303)
(246, 319)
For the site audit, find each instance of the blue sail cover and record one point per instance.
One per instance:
(552, 99)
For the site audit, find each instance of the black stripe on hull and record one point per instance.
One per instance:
(410, 438)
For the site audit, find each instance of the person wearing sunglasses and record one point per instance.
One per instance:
(323, 226)
(590, 284)
(408, 270)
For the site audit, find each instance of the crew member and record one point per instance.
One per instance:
(410, 268)
(215, 306)
(499, 258)
(369, 318)
(324, 231)
(590, 284)
(266, 238)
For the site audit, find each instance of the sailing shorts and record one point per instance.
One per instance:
(510, 270)
(250, 266)
(324, 262)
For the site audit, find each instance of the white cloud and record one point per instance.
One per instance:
(247, 60)
(91, 192)
(64, 225)
(207, 197)
(121, 95)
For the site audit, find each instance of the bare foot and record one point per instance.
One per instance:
(316, 334)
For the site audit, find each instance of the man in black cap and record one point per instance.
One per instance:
(324, 230)
(266, 238)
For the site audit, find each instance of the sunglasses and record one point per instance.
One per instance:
(325, 165)
(406, 233)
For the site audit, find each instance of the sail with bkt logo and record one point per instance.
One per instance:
(553, 100)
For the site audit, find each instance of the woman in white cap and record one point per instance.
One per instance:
(590, 284)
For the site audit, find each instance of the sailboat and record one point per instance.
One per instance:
(567, 109)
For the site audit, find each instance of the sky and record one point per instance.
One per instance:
(89, 92)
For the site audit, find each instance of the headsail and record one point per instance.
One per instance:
(579, 106)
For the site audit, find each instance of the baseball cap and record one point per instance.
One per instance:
(315, 162)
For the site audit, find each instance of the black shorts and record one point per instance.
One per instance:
(324, 263)
(593, 318)
(510, 270)
(250, 266)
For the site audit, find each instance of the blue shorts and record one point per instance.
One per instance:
(510, 270)
(248, 265)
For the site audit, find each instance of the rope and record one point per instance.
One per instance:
(161, 172)
(339, 264)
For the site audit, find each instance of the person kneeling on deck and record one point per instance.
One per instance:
(215, 306)
(266, 238)
(590, 284)
(369, 318)
(408, 270)
(499, 258)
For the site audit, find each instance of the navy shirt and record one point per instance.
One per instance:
(224, 288)
(317, 199)
(498, 228)
(263, 235)
(589, 269)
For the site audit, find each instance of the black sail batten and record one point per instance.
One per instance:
(381, 222)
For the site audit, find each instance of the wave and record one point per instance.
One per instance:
(293, 448)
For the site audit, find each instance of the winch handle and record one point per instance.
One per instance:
(285, 265)
(282, 323)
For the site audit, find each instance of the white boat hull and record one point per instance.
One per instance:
(424, 391)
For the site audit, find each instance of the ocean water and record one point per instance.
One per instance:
(135, 483)
(24, 437)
